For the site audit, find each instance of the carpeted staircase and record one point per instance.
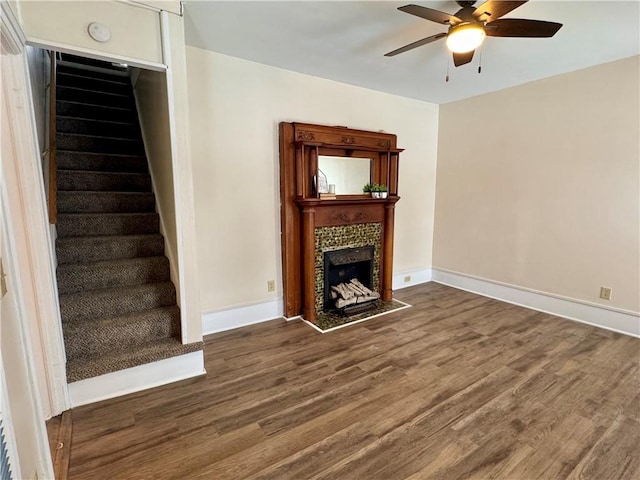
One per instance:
(117, 302)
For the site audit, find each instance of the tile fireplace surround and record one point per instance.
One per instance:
(345, 236)
(312, 225)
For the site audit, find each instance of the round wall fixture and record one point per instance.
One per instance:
(99, 32)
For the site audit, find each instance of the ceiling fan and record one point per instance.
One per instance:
(469, 26)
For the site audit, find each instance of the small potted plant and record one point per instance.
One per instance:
(382, 189)
(368, 188)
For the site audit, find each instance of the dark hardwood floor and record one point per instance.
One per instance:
(459, 386)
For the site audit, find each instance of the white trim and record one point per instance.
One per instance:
(13, 37)
(32, 420)
(136, 379)
(419, 276)
(182, 181)
(95, 54)
(315, 327)
(29, 218)
(7, 425)
(230, 318)
(617, 320)
(132, 3)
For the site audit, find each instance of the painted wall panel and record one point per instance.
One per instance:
(543, 192)
(135, 31)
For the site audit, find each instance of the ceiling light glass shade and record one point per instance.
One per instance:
(465, 38)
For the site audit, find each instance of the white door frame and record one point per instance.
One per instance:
(28, 224)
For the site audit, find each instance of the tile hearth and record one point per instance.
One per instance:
(328, 321)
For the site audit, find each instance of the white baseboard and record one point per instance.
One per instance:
(230, 318)
(416, 277)
(244, 315)
(617, 320)
(137, 378)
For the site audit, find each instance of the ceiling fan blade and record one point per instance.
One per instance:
(430, 14)
(417, 44)
(517, 27)
(494, 9)
(462, 58)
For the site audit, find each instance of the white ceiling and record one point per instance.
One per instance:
(346, 41)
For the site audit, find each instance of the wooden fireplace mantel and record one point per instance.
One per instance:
(303, 211)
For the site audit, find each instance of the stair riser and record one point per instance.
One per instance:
(98, 145)
(115, 77)
(93, 98)
(95, 112)
(87, 367)
(103, 303)
(73, 225)
(96, 127)
(90, 202)
(76, 250)
(102, 339)
(100, 162)
(112, 182)
(82, 80)
(84, 277)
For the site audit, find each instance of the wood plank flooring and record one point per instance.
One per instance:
(459, 386)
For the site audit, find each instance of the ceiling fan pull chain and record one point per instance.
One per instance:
(446, 79)
(480, 60)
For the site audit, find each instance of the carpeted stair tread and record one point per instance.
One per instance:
(101, 162)
(97, 112)
(87, 367)
(85, 338)
(78, 224)
(107, 247)
(88, 126)
(92, 67)
(69, 180)
(81, 80)
(99, 144)
(110, 302)
(83, 277)
(105, 202)
(104, 74)
(91, 97)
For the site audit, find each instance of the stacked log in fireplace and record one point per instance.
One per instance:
(348, 276)
(353, 293)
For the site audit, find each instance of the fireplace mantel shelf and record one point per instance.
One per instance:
(345, 201)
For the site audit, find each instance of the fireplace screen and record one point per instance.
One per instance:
(348, 278)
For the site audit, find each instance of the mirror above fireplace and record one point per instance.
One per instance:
(348, 174)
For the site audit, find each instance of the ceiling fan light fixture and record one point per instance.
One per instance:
(465, 37)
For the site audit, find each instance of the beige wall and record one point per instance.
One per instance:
(235, 107)
(538, 185)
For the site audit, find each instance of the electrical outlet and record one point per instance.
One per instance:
(271, 286)
(605, 293)
(407, 278)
